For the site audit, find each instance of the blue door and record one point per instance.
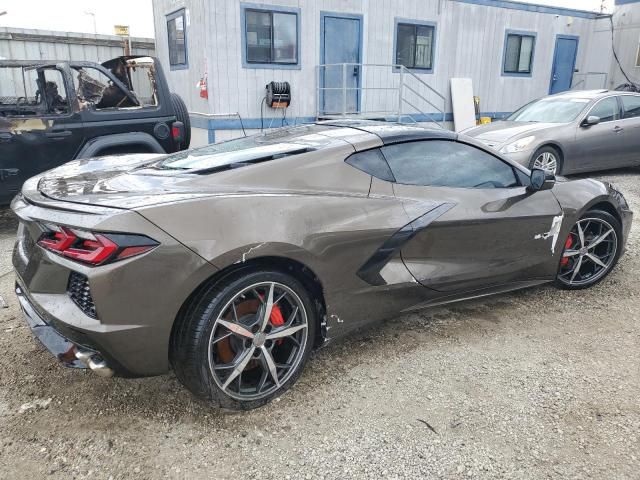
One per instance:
(340, 37)
(564, 63)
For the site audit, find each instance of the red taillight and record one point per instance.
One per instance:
(94, 248)
(59, 241)
(90, 251)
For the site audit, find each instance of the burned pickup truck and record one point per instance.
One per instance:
(52, 112)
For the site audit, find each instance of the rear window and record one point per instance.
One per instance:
(244, 151)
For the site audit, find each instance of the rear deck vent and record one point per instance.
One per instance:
(80, 293)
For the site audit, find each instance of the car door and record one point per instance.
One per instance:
(631, 125)
(46, 134)
(490, 230)
(601, 146)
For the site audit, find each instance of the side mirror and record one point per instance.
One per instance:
(541, 180)
(590, 121)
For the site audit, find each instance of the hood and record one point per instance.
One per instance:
(499, 133)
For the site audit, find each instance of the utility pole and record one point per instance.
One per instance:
(93, 15)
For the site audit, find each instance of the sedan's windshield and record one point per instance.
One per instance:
(551, 110)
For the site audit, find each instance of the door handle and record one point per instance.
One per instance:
(58, 134)
(618, 129)
(356, 70)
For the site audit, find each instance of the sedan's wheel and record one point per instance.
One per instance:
(252, 338)
(546, 158)
(590, 251)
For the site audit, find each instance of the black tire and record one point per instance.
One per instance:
(189, 350)
(548, 149)
(182, 114)
(617, 227)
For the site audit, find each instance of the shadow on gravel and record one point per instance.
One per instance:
(8, 221)
(330, 369)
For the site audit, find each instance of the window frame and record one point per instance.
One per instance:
(271, 9)
(182, 12)
(623, 111)
(520, 174)
(597, 102)
(519, 33)
(415, 23)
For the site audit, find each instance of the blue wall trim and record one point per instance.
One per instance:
(434, 44)
(211, 125)
(626, 2)
(243, 36)
(532, 7)
(504, 52)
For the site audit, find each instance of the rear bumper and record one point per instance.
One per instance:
(67, 352)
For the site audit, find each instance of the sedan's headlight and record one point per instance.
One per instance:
(518, 145)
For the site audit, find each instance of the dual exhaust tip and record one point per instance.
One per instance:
(95, 363)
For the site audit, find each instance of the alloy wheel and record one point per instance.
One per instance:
(546, 161)
(258, 341)
(589, 252)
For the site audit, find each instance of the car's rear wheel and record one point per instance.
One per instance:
(590, 251)
(547, 158)
(246, 341)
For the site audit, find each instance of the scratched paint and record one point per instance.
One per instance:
(553, 232)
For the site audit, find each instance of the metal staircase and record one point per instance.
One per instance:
(376, 92)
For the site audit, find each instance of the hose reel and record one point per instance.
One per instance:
(278, 94)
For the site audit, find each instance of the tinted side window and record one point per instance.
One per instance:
(441, 163)
(371, 162)
(631, 104)
(606, 109)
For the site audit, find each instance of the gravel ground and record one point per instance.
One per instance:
(537, 384)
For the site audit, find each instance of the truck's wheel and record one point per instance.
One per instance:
(182, 114)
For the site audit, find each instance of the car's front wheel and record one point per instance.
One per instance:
(590, 251)
(246, 340)
(547, 158)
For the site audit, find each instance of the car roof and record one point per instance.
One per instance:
(586, 94)
(390, 133)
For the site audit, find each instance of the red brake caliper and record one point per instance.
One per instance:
(567, 245)
(277, 320)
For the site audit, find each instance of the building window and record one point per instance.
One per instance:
(415, 45)
(270, 37)
(177, 39)
(518, 53)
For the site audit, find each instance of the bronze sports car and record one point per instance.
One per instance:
(230, 263)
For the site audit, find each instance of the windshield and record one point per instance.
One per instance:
(551, 110)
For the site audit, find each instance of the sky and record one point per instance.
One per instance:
(75, 15)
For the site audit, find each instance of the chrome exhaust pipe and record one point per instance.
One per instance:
(95, 363)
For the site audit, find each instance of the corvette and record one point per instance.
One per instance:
(230, 263)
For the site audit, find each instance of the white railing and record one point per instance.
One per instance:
(376, 91)
(589, 81)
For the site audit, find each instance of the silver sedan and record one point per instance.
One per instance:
(571, 132)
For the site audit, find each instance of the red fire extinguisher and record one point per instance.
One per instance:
(204, 92)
